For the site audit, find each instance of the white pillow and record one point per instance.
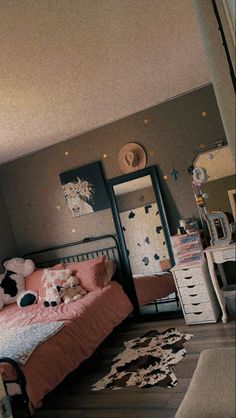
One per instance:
(110, 268)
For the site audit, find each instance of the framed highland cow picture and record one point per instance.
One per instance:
(84, 189)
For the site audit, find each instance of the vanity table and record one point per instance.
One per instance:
(219, 254)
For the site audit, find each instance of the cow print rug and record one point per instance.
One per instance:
(146, 361)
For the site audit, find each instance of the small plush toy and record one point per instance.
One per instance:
(12, 283)
(52, 297)
(71, 290)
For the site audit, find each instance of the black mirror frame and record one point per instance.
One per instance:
(152, 171)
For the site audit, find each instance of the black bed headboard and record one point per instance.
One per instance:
(69, 252)
(85, 249)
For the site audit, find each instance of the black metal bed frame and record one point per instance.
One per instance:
(111, 252)
(20, 380)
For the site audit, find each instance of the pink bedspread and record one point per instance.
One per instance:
(87, 322)
(152, 287)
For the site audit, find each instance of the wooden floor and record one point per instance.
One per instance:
(74, 398)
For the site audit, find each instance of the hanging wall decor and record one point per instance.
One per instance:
(84, 189)
(174, 174)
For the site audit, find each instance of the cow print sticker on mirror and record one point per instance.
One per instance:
(147, 252)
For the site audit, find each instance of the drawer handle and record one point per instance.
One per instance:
(195, 304)
(193, 296)
(188, 278)
(191, 286)
(197, 313)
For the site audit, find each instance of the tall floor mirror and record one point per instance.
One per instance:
(141, 226)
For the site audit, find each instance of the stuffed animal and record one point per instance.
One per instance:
(12, 282)
(52, 297)
(71, 290)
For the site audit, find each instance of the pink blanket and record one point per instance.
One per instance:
(153, 286)
(87, 322)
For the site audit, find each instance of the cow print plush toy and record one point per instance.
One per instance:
(12, 283)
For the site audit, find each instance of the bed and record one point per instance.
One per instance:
(153, 287)
(86, 322)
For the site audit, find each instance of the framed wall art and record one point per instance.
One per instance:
(84, 189)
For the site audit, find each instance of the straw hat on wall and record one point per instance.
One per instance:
(132, 157)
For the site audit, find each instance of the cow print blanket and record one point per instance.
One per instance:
(146, 361)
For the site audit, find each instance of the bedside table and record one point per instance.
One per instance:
(196, 293)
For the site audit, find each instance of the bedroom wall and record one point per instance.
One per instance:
(169, 132)
(7, 240)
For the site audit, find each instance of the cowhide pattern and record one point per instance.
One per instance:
(145, 239)
(146, 361)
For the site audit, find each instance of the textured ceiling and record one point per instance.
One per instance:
(68, 66)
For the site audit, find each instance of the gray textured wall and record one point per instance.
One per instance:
(7, 240)
(169, 132)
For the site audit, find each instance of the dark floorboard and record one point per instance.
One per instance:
(73, 398)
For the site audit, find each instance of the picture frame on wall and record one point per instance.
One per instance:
(84, 189)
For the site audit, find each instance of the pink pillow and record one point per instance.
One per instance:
(90, 272)
(110, 269)
(34, 280)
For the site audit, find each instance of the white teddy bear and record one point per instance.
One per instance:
(71, 290)
(12, 283)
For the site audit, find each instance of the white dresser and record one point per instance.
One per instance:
(196, 293)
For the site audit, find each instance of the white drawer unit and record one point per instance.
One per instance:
(197, 307)
(187, 272)
(190, 281)
(194, 297)
(199, 317)
(193, 290)
(196, 293)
